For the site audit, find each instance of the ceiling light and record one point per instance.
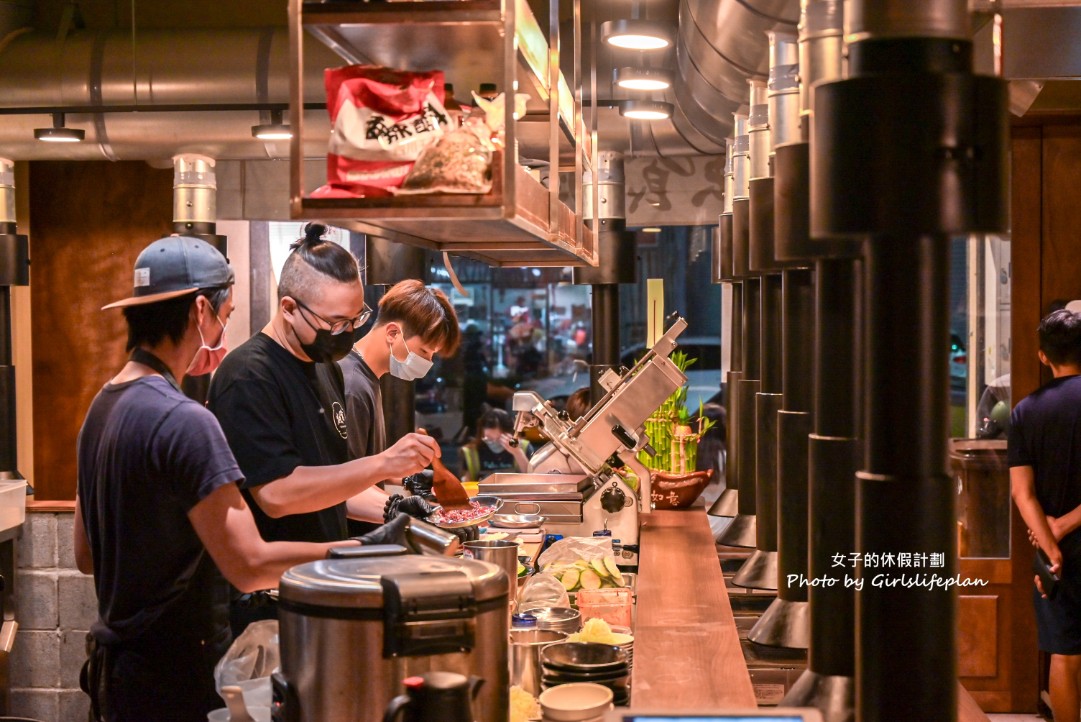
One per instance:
(58, 133)
(276, 129)
(636, 34)
(651, 229)
(645, 109)
(643, 78)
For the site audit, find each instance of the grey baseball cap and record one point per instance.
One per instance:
(174, 266)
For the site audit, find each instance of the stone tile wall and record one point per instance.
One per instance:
(55, 605)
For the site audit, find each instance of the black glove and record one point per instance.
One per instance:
(413, 506)
(419, 484)
(393, 532)
(465, 533)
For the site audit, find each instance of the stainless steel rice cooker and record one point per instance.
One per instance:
(352, 629)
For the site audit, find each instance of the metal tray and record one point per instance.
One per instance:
(517, 521)
(526, 484)
(490, 504)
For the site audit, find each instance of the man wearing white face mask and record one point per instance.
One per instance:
(414, 324)
(158, 517)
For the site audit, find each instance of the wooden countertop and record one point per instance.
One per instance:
(687, 654)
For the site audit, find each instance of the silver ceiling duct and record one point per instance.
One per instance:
(723, 44)
(196, 69)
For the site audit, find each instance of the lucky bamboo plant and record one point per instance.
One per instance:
(671, 432)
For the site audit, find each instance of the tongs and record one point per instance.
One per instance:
(448, 490)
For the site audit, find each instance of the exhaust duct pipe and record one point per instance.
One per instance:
(742, 532)
(910, 68)
(786, 623)
(760, 570)
(828, 683)
(222, 68)
(727, 504)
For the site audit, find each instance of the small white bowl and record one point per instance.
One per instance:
(575, 702)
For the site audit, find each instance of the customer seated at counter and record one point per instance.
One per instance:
(280, 399)
(493, 450)
(157, 491)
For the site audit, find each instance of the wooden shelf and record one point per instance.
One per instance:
(520, 222)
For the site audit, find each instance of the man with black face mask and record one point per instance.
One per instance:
(280, 400)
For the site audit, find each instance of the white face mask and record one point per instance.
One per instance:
(413, 368)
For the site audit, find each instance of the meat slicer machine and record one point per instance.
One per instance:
(573, 481)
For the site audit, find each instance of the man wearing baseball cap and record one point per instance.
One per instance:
(158, 512)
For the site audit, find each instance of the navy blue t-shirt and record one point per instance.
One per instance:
(1045, 433)
(147, 455)
(278, 413)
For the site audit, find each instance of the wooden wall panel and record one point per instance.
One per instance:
(1025, 258)
(977, 636)
(1061, 251)
(89, 221)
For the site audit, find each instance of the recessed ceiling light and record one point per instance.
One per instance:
(58, 133)
(643, 78)
(636, 34)
(645, 109)
(276, 129)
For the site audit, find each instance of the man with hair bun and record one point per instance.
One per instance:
(280, 398)
(414, 324)
(1044, 455)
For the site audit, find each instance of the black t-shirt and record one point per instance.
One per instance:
(1045, 433)
(363, 407)
(147, 455)
(278, 413)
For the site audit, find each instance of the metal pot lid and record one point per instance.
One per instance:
(359, 583)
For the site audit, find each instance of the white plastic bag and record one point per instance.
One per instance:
(582, 563)
(249, 662)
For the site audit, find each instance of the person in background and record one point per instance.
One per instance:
(479, 393)
(158, 515)
(494, 450)
(414, 324)
(548, 455)
(280, 399)
(1044, 455)
(577, 403)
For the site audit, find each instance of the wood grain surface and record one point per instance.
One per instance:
(687, 654)
(88, 221)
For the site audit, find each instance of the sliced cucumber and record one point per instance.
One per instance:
(590, 580)
(570, 579)
(613, 571)
(598, 566)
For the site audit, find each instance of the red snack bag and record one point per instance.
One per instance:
(381, 121)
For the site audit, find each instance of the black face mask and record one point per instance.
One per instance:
(328, 348)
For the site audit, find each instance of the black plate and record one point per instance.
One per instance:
(581, 657)
(616, 679)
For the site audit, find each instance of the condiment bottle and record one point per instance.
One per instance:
(453, 107)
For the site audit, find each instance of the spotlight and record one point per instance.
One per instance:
(644, 78)
(645, 109)
(636, 34)
(58, 133)
(276, 129)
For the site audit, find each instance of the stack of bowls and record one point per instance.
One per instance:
(572, 662)
(558, 619)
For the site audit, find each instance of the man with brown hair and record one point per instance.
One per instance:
(414, 324)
